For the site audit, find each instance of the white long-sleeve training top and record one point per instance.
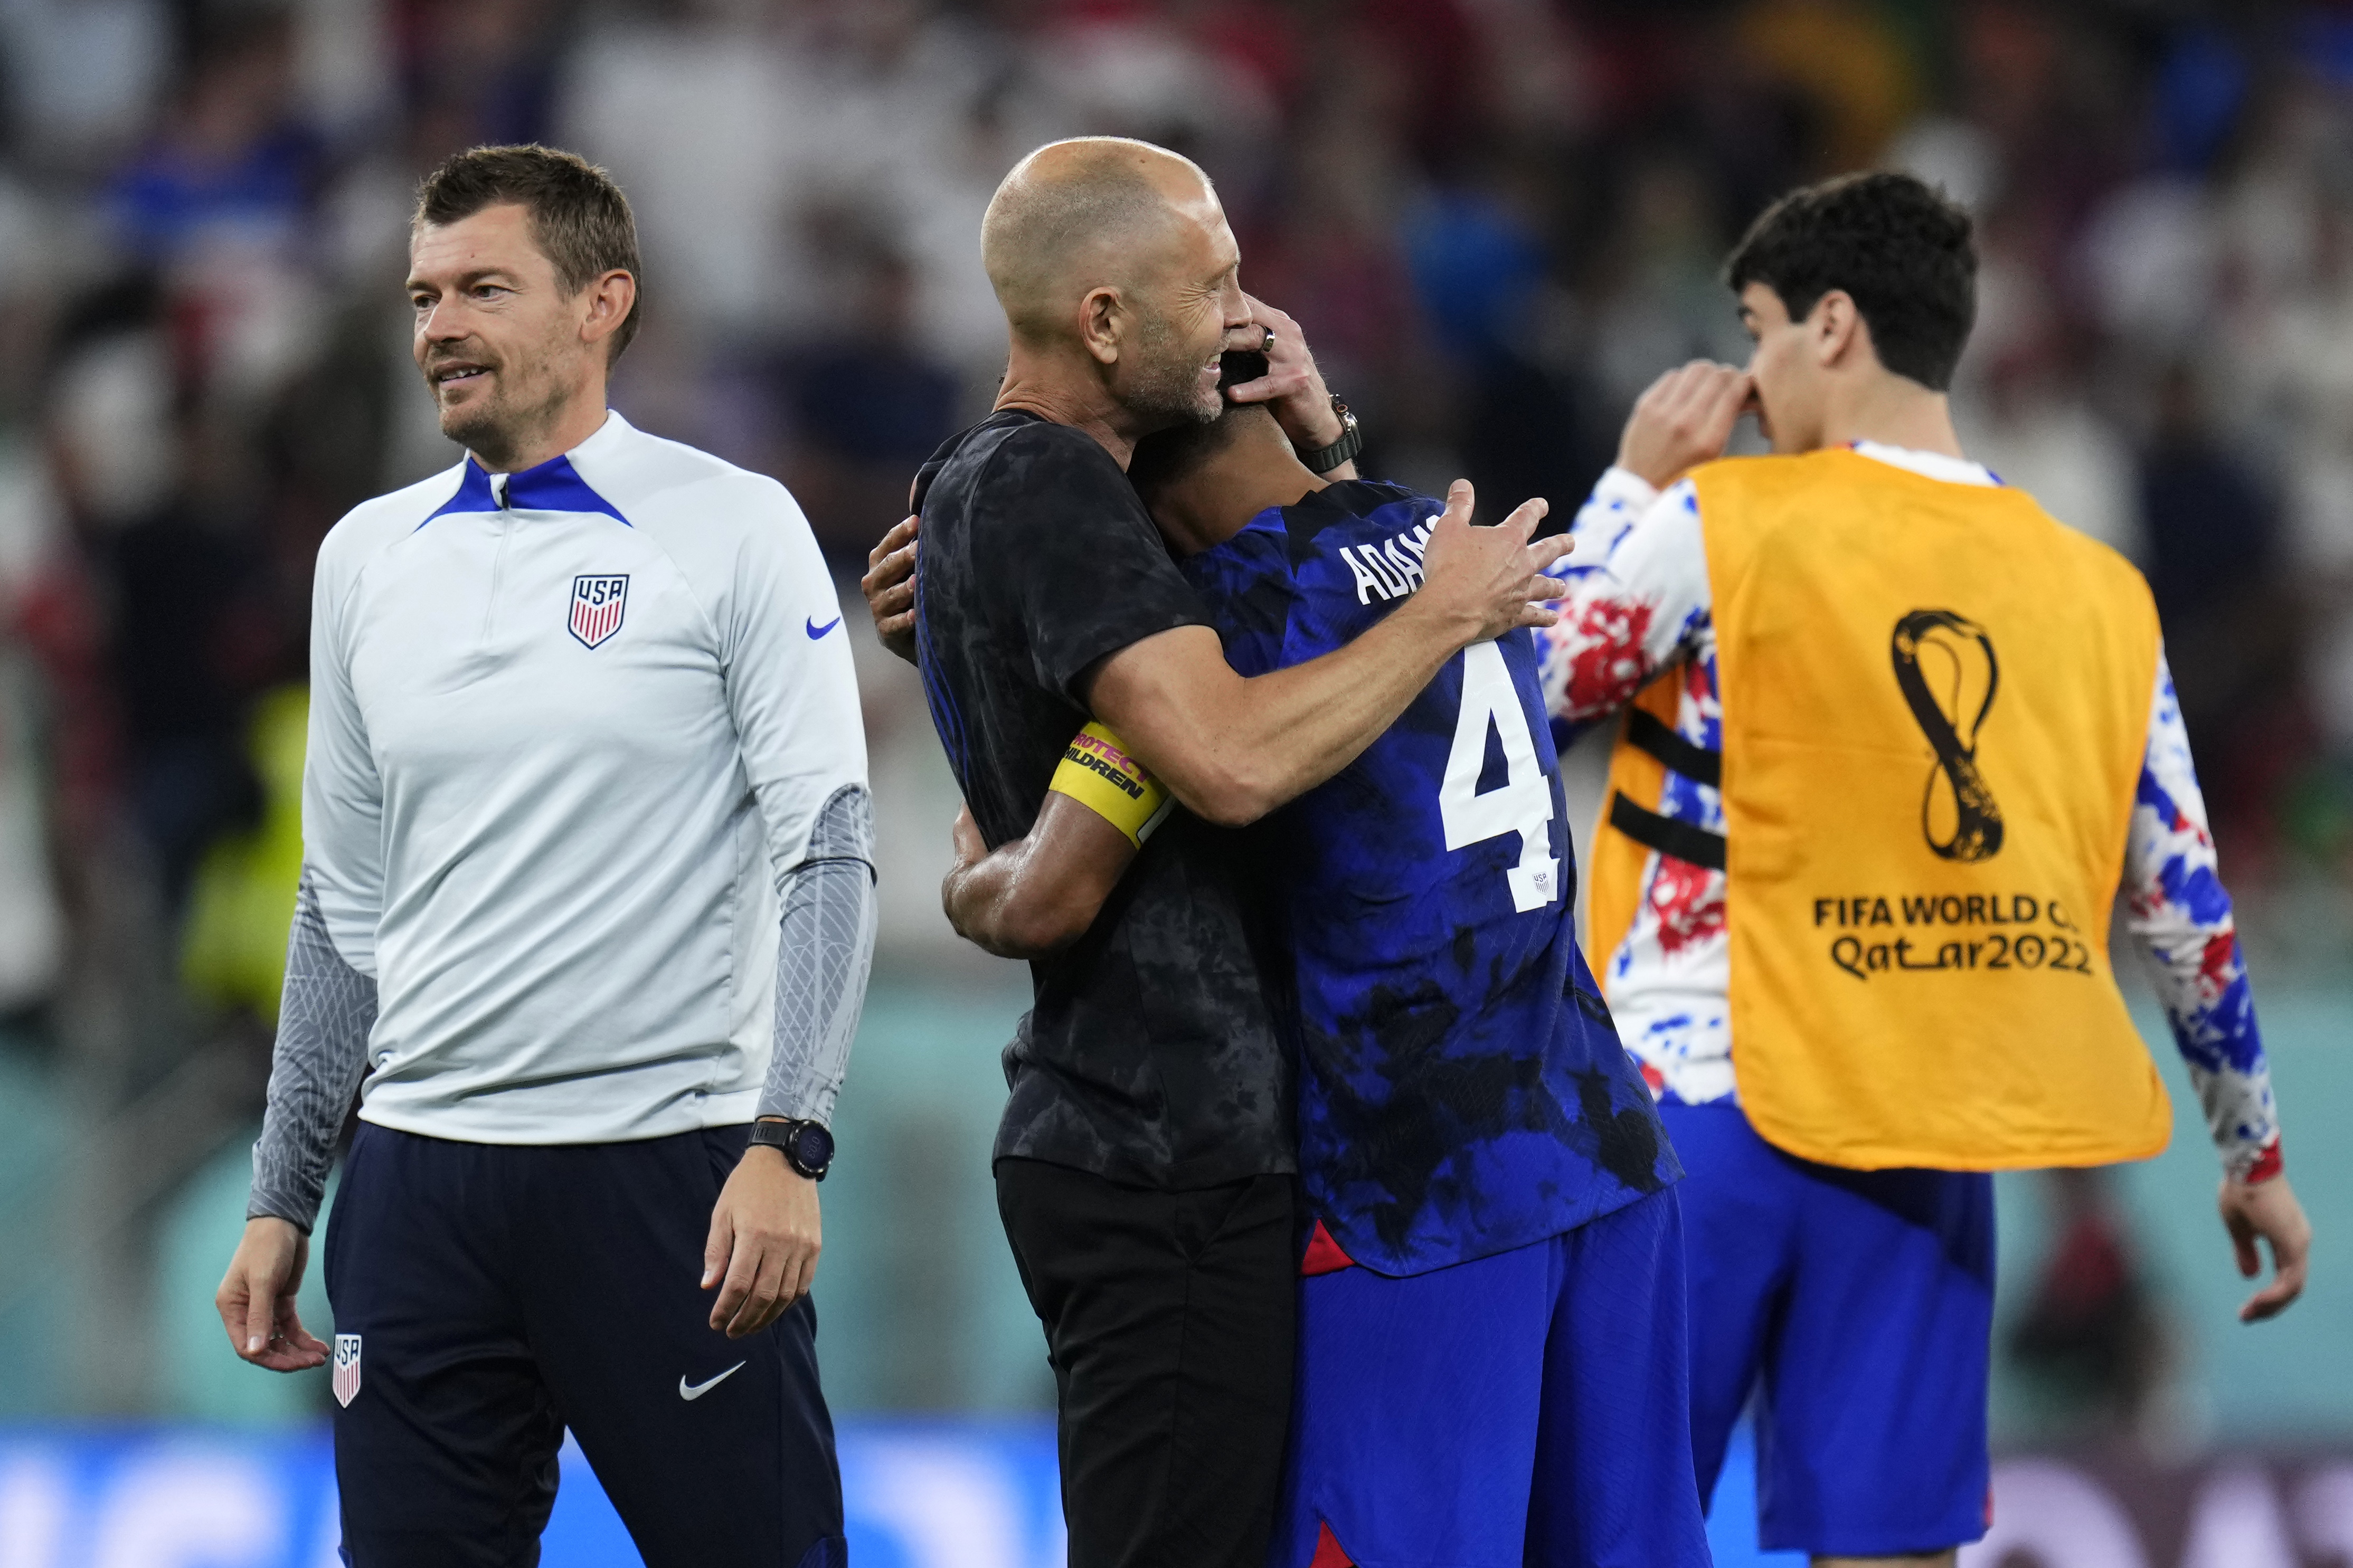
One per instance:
(572, 730)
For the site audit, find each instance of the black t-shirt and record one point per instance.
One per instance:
(1151, 1055)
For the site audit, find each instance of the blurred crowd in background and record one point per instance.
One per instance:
(1495, 220)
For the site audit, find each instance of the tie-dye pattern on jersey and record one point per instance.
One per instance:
(1462, 1092)
(1637, 601)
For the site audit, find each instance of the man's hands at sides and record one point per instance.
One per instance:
(2267, 1211)
(890, 588)
(1683, 419)
(761, 1253)
(1481, 583)
(256, 1299)
(765, 1237)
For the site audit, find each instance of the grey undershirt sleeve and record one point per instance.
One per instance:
(324, 1015)
(825, 951)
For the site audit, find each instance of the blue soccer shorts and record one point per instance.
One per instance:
(1857, 1307)
(1527, 1408)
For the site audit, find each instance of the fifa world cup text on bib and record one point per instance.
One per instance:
(1936, 705)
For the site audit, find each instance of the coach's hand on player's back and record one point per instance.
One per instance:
(2268, 1211)
(1683, 419)
(256, 1299)
(1484, 582)
(765, 1237)
(890, 588)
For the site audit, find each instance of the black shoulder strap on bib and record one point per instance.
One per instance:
(1665, 835)
(1646, 732)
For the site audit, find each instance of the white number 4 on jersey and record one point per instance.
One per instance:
(1523, 804)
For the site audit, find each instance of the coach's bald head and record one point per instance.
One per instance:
(1114, 255)
(1092, 210)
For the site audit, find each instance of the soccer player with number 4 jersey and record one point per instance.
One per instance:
(1895, 741)
(1491, 1361)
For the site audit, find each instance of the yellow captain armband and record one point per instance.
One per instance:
(1099, 774)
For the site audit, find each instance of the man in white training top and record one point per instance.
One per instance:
(587, 889)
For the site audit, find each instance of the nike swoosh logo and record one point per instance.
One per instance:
(816, 631)
(698, 1390)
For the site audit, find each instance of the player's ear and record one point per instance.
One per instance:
(1836, 327)
(1103, 320)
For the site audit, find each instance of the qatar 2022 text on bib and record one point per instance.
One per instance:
(1936, 704)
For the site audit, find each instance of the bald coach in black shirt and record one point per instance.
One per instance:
(1145, 1163)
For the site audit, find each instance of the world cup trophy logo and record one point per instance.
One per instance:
(1939, 672)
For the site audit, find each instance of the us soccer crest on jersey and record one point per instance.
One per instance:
(347, 1368)
(596, 605)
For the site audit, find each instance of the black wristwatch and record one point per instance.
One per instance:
(1323, 459)
(807, 1146)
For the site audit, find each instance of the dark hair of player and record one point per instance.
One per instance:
(1898, 248)
(1168, 456)
(579, 218)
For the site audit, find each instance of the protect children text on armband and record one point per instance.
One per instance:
(1099, 774)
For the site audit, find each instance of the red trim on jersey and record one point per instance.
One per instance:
(2269, 1164)
(1323, 1257)
(1327, 1550)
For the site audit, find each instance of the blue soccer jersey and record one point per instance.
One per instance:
(1462, 1092)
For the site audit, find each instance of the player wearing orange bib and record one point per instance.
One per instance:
(1894, 742)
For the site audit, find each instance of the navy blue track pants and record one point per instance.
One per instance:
(502, 1293)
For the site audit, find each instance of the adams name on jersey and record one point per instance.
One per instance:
(1462, 1090)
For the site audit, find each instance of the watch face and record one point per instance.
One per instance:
(812, 1147)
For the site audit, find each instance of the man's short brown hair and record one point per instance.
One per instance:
(579, 218)
(1903, 253)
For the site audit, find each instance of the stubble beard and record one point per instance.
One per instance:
(1168, 385)
(496, 428)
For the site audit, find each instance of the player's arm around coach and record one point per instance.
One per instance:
(1233, 748)
(1146, 1163)
(1230, 747)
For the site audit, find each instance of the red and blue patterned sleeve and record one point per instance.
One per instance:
(1635, 597)
(2179, 914)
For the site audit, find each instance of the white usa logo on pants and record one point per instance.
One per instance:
(347, 1368)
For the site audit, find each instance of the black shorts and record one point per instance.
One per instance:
(498, 1294)
(1170, 1322)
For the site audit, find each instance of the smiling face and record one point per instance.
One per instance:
(1187, 297)
(508, 352)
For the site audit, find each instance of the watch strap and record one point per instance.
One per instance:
(786, 1137)
(1323, 459)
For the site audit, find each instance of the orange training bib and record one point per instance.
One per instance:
(1936, 705)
